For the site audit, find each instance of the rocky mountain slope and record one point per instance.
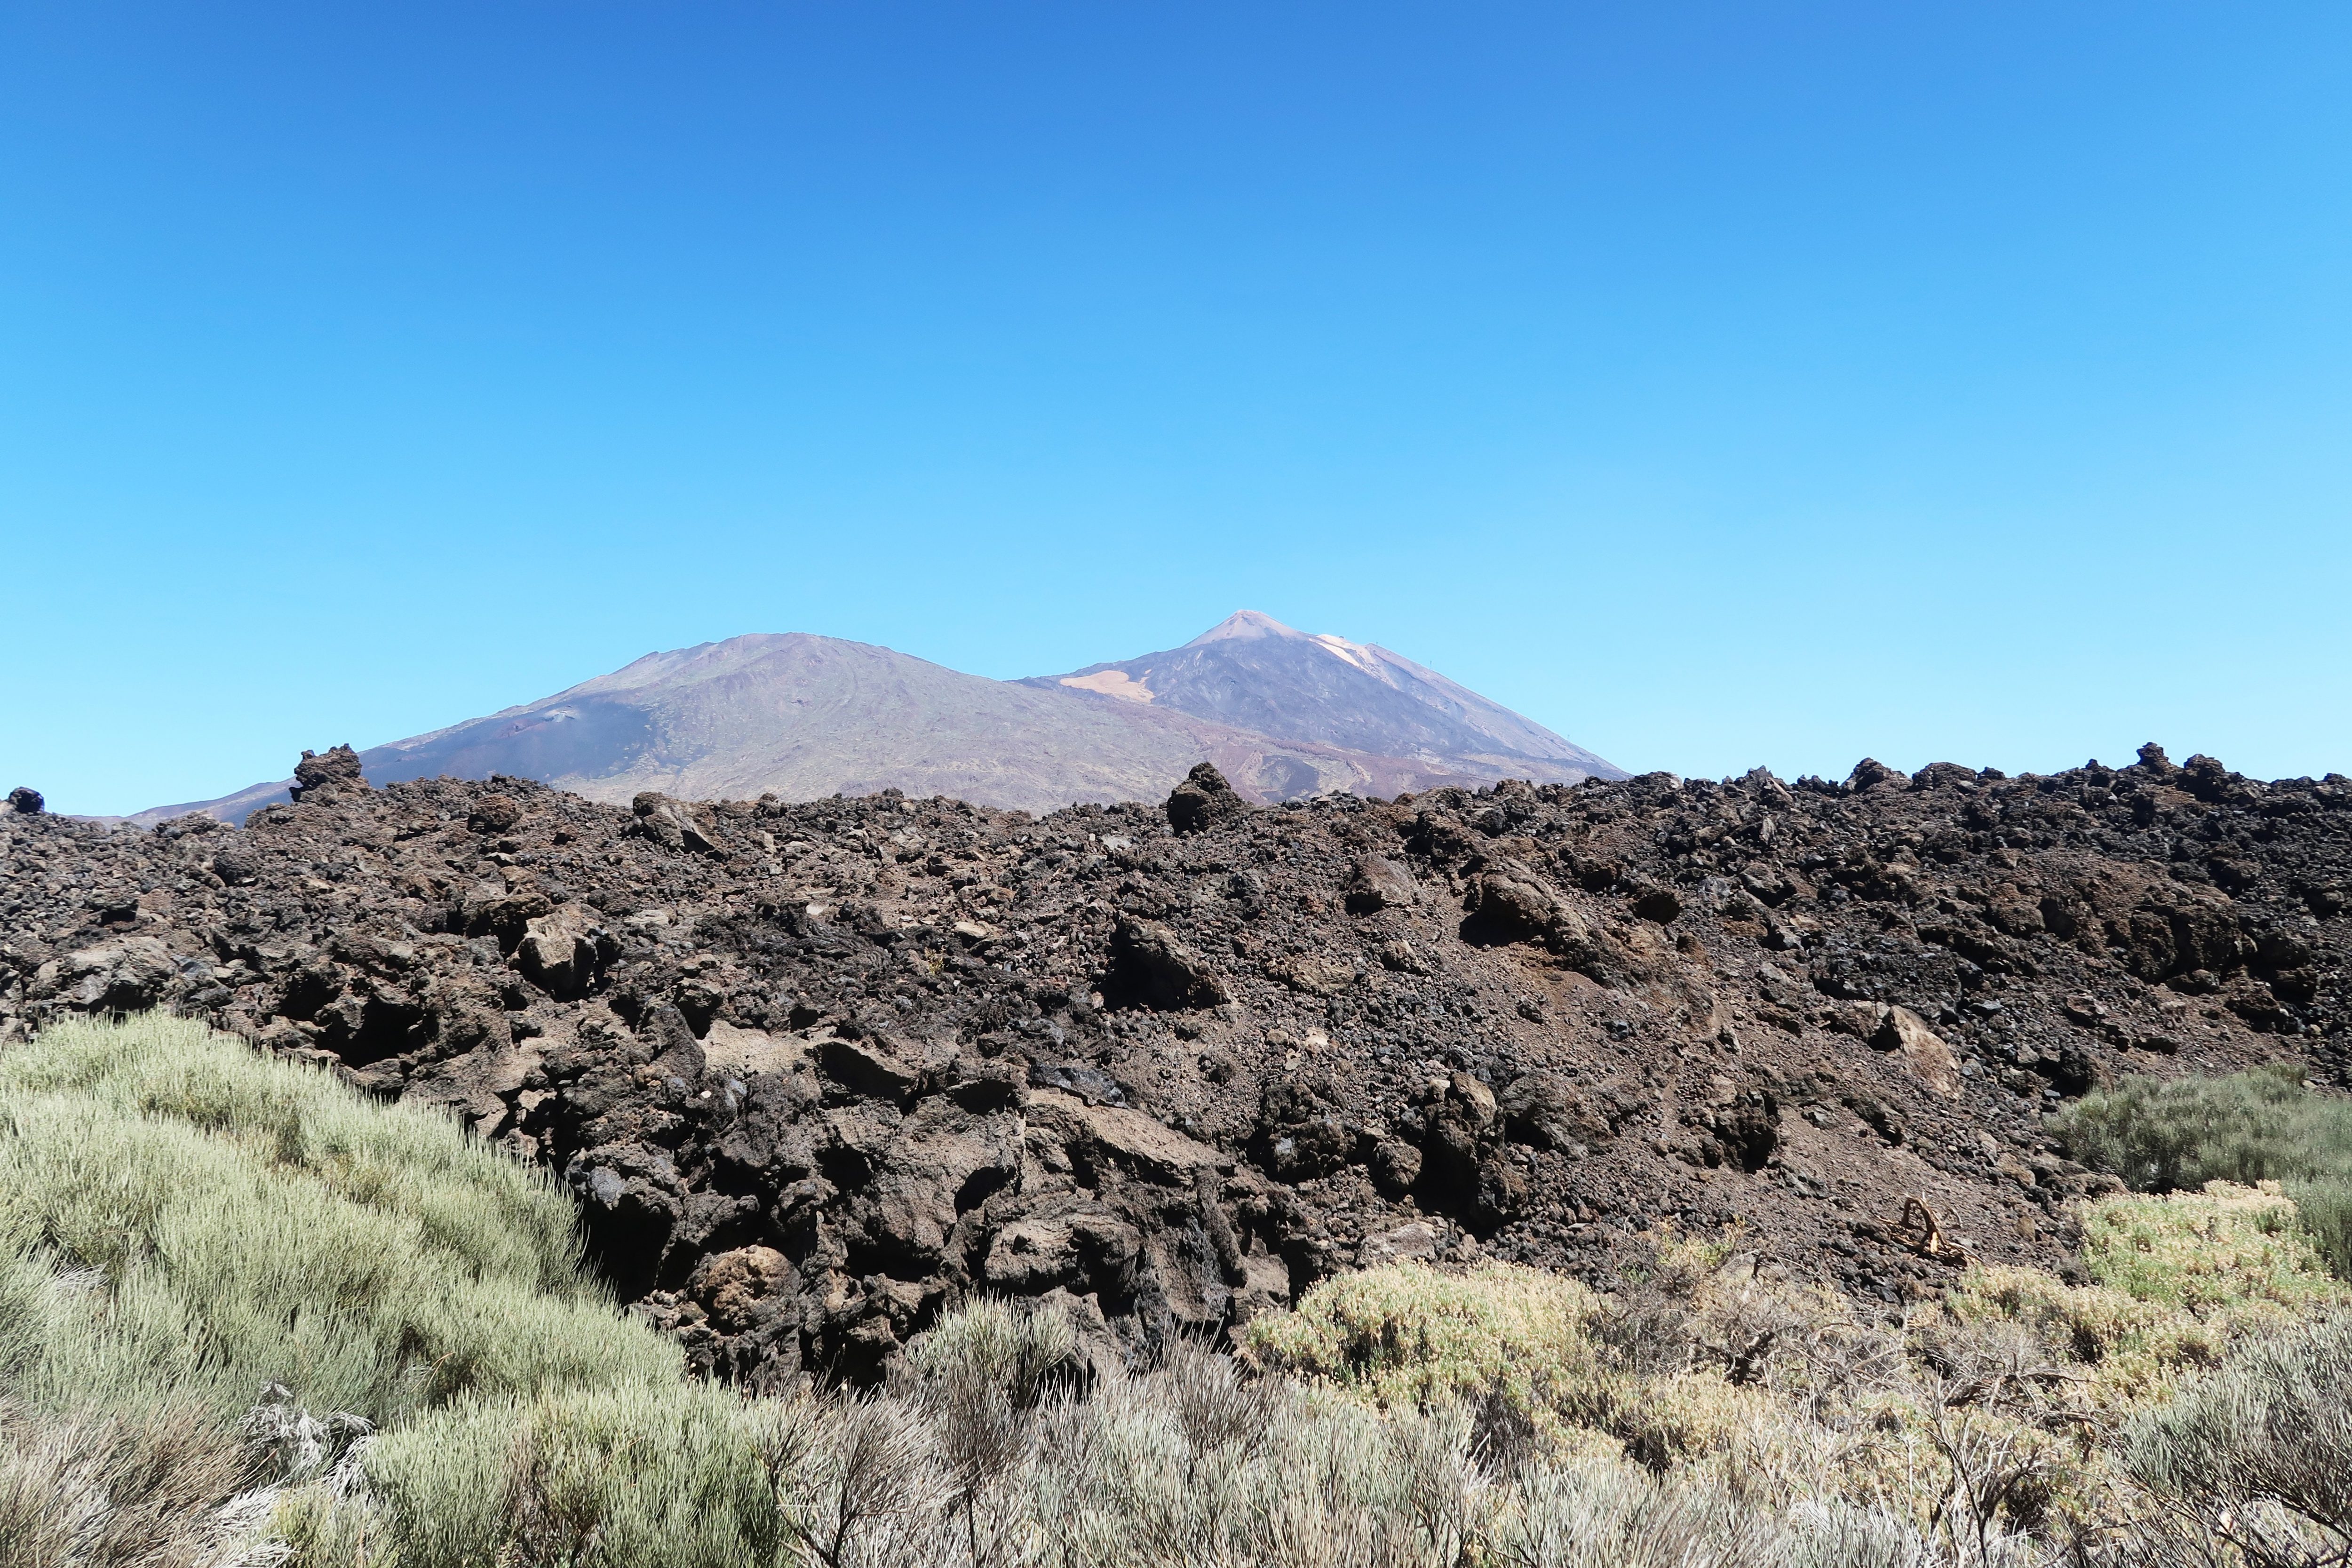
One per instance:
(806, 717)
(817, 1070)
(1251, 671)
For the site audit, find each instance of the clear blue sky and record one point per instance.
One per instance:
(1718, 385)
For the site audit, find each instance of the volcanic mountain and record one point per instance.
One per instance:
(1282, 714)
(1253, 672)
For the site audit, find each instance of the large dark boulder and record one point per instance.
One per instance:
(1202, 800)
(336, 773)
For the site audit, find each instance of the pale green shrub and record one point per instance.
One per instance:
(646, 1475)
(241, 1222)
(2212, 1251)
(491, 1215)
(2259, 1453)
(1681, 1363)
(2247, 1128)
(1408, 1337)
(183, 1221)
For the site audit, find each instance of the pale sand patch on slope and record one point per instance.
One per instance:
(1111, 683)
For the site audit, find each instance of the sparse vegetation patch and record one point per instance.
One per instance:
(251, 1318)
(2262, 1126)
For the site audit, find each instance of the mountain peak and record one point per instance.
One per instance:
(1257, 625)
(1281, 714)
(1245, 626)
(1253, 673)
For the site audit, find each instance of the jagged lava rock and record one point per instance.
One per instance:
(817, 1072)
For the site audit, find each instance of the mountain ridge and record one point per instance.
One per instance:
(1357, 695)
(802, 716)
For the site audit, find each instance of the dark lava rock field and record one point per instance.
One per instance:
(816, 1070)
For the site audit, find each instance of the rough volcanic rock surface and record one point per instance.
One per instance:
(815, 1072)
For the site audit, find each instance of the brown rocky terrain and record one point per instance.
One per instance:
(816, 1070)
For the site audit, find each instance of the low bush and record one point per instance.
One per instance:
(1980, 1413)
(139, 1488)
(1409, 1336)
(251, 1320)
(2257, 1458)
(2324, 1209)
(186, 1227)
(243, 1222)
(2215, 1251)
(663, 1475)
(1666, 1371)
(2163, 1135)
